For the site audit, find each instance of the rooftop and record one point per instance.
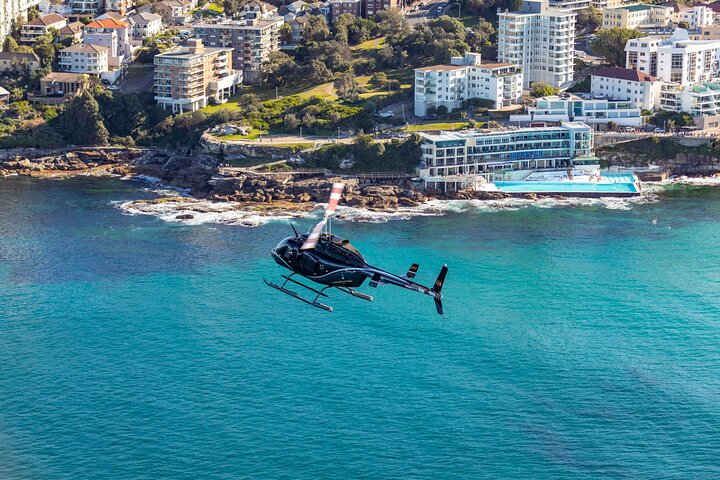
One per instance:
(84, 47)
(437, 68)
(46, 20)
(450, 136)
(106, 23)
(624, 74)
(30, 57)
(144, 17)
(63, 77)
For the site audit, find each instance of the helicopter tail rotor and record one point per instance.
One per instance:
(314, 237)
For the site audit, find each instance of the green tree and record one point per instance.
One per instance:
(393, 24)
(123, 114)
(279, 70)
(46, 49)
(9, 44)
(347, 87)
(316, 30)
(82, 122)
(610, 44)
(541, 89)
(589, 20)
(285, 33)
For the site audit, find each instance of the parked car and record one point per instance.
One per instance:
(658, 130)
(627, 129)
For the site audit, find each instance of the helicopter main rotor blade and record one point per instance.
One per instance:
(314, 237)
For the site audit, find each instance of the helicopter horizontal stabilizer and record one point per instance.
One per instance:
(437, 287)
(412, 271)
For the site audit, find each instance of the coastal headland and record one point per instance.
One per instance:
(204, 176)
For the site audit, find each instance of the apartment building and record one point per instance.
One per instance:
(189, 78)
(540, 40)
(373, 7)
(465, 78)
(676, 59)
(110, 33)
(119, 6)
(145, 24)
(702, 100)
(637, 16)
(457, 160)
(572, 5)
(13, 12)
(340, 7)
(695, 17)
(40, 26)
(251, 41)
(86, 6)
(640, 89)
(593, 110)
(85, 58)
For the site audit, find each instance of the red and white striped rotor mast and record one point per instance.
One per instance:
(314, 237)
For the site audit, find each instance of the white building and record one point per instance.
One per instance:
(585, 108)
(572, 5)
(539, 40)
(13, 12)
(84, 58)
(677, 59)
(465, 78)
(698, 100)
(145, 24)
(457, 160)
(640, 89)
(696, 17)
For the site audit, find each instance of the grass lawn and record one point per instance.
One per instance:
(470, 21)
(447, 126)
(253, 135)
(214, 7)
(374, 44)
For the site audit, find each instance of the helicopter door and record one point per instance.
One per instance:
(309, 263)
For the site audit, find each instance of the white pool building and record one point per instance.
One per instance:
(470, 159)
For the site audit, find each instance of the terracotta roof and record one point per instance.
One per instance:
(106, 23)
(624, 74)
(441, 67)
(46, 20)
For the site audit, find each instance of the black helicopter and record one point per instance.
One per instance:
(330, 260)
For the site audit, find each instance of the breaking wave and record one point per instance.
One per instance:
(176, 205)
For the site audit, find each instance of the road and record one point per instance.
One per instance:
(139, 79)
(430, 11)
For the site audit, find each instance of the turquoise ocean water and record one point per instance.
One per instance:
(581, 343)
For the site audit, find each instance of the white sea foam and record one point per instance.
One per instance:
(713, 181)
(197, 212)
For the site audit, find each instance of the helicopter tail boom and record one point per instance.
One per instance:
(380, 277)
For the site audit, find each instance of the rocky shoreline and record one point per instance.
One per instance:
(264, 192)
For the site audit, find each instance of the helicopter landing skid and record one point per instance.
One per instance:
(313, 302)
(355, 293)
